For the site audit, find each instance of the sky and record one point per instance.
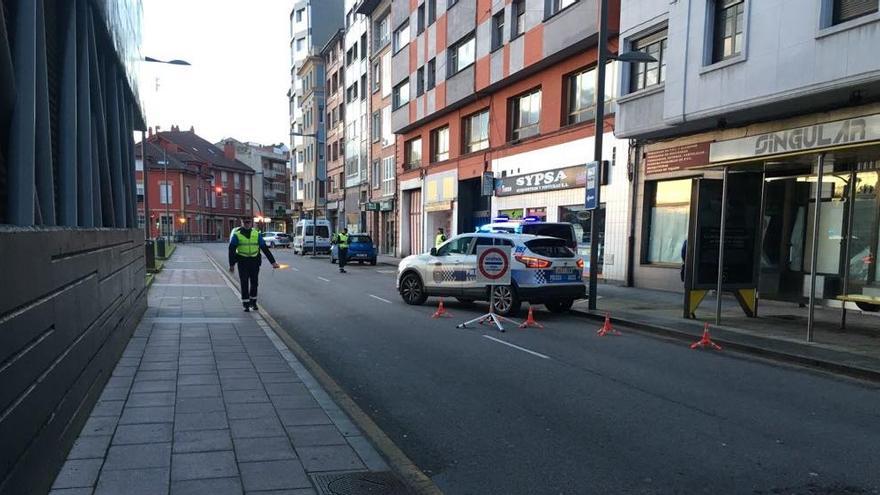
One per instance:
(240, 74)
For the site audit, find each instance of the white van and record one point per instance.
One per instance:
(305, 233)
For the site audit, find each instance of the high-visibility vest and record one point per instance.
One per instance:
(439, 239)
(342, 240)
(249, 247)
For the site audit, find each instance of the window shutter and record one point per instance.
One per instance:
(845, 10)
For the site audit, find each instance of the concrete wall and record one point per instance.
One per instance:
(70, 301)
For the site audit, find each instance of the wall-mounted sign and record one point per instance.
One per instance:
(676, 158)
(386, 205)
(438, 206)
(548, 180)
(371, 206)
(801, 139)
(591, 189)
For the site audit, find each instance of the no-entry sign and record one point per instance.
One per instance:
(493, 265)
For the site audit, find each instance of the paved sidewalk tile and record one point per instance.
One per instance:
(93, 447)
(213, 486)
(200, 465)
(144, 433)
(215, 420)
(273, 475)
(152, 455)
(263, 449)
(202, 441)
(143, 415)
(133, 482)
(314, 435)
(329, 458)
(78, 473)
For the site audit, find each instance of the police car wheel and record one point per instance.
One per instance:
(412, 291)
(559, 306)
(506, 302)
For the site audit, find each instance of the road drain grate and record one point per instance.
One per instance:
(360, 483)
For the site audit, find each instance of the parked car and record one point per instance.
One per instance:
(277, 239)
(360, 248)
(308, 237)
(544, 270)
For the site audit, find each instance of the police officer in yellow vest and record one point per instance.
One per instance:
(245, 244)
(341, 240)
(440, 238)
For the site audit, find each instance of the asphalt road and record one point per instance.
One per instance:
(569, 412)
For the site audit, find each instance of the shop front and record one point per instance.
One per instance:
(801, 220)
(440, 191)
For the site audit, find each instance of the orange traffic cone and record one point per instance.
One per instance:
(705, 340)
(441, 311)
(530, 321)
(607, 328)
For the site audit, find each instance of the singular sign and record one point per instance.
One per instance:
(819, 136)
(549, 180)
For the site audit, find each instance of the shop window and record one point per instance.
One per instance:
(727, 30)
(539, 213)
(525, 115)
(440, 144)
(644, 75)
(667, 212)
(476, 132)
(512, 213)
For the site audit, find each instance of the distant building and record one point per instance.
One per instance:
(314, 175)
(270, 196)
(312, 24)
(357, 114)
(333, 54)
(203, 194)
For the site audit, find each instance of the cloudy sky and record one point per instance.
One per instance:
(240, 73)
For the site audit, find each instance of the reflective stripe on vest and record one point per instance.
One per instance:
(249, 247)
(342, 241)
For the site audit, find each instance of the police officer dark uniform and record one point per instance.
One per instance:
(342, 248)
(245, 244)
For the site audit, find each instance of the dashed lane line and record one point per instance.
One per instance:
(542, 356)
(381, 299)
(324, 279)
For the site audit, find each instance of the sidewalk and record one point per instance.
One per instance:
(207, 399)
(779, 331)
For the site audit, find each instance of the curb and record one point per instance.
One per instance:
(411, 475)
(789, 357)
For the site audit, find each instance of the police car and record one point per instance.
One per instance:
(544, 270)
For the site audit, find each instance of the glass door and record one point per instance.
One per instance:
(863, 239)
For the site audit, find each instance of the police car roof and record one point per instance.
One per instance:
(505, 235)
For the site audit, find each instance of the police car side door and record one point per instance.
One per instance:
(447, 273)
(469, 265)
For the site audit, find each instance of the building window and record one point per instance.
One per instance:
(525, 115)
(431, 75)
(377, 76)
(237, 201)
(847, 10)
(440, 144)
(518, 14)
(166, 192)
(225, 202)
(363, 86)
(300, 44)
(382, 33)
(475, 132)
(388, 176)
(299, 15)
(401, 94)
(668, 208)
(432, 11)
(236, 179)
(421, 19)
(728, 29)
(140, 192)
(363, 46)
(224, 178)
(413, 151)
(497, 30)
(645, 75)
(376, 175)
(186, 196)
(580, 93)
(461, 55)
(376, 126)
(554, 6)
(401, 37)
(420, 81)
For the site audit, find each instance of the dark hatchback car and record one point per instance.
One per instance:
(360, 248)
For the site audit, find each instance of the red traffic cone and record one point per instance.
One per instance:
(441, 311)
(530, 320)
(607, 328)
(705, 340)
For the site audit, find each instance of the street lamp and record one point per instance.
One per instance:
(314, 195)
(602, 56)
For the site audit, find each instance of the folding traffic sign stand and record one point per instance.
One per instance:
(493, 268)
(489, 317)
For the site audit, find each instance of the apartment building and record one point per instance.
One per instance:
(314, 176)
(269, 197)
(333, 54)
(382, 221)
(357, 114)
(783, 96)
(506, 88)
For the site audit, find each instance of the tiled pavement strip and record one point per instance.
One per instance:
(207, 399)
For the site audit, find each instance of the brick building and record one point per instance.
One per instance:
(333, 54)
(183, 173)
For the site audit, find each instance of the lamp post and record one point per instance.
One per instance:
(147, 219)
(314, 195)
(601, 58)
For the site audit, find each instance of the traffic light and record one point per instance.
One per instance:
(218, 190)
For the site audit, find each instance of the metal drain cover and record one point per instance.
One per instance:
(360, 483)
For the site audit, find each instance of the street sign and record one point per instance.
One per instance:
(591, 199)
(493, 265)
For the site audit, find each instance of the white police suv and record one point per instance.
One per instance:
(544, 270)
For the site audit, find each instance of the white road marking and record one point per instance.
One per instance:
(381, 299)
(517, 347)
(324, 279)
(386, 271)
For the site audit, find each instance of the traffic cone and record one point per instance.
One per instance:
(530, 321)
(705, 340)
(441, 311)
(607, 328)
